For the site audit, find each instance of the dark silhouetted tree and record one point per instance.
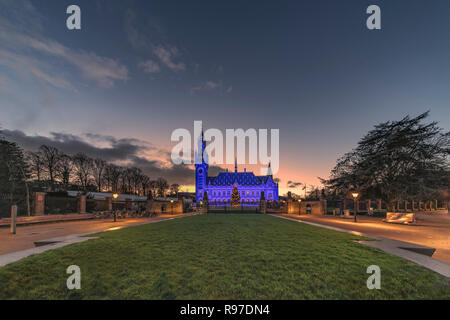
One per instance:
(396, 160)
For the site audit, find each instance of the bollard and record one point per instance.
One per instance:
(13, 218)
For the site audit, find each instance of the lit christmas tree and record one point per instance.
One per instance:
(235, 197)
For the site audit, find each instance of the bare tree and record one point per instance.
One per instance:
(145, 185)
(36, 164)
(83, 169)
(50, 157)
(98, 169)
(136, 179)
(112, 175)
(162, 186)
(174, 188)
(124, 178)
(64, 169)
(153, 188)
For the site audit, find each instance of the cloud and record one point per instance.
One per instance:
(211, 86)
(26, 66)
(139, 40)
(150, 66)
(117, 150)
(104, 71)
(152, 42)
(292, 184)
(124, 151)
(20, 14)
(181, 174)
(166, 56)
(23, 44)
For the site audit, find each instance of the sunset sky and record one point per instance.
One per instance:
(137, 70)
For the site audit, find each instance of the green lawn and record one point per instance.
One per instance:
(220, 257)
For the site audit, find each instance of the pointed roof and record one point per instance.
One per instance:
(269, 170)
(240, 178)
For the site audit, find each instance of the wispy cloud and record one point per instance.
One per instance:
(167, 55)
(293, 184)
(25, 66)
(23, 43)
(153, 42)
(150, 66)
(211, 86)
(105, 71)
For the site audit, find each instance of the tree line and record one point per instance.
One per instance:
(59, 171)
(49, 169)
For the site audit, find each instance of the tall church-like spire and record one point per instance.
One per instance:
(269, 170)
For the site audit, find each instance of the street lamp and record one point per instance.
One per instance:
(299, 201)
(355, 196)
(171, 206)
(115, 196)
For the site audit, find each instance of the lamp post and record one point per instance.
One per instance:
(115, 196)
(299, 202)
(171, 206)
(355, 196)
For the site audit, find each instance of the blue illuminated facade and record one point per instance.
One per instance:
(219, 188)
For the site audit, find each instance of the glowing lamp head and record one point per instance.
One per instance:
(171, 201)
(115, 195)
(355, 195)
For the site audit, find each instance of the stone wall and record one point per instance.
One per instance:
(167, 207)
(318, 207)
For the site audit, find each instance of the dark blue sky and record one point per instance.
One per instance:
(144, 68)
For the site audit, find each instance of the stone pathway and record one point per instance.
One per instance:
(6, 222)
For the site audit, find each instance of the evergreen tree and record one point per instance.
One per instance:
(235, 197)
(14, 173)
(396, 160)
